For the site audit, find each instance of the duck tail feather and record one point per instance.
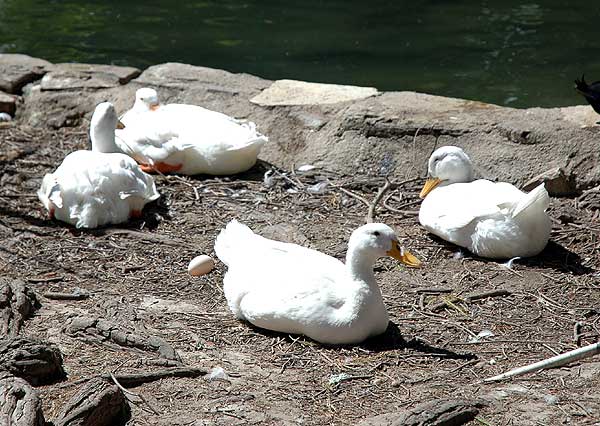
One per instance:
(537, 198)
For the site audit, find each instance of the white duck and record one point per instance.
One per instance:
(187, 139)
(97, 187)
(292, 289)
(491, 219)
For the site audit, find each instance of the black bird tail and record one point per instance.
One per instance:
(581, 86)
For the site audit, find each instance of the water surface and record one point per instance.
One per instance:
(506, 52)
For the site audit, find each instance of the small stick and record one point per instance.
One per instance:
(485, 294)
(433, 290)
(76, 295)
(376, 200)
(555, 361)
(127, 392)
(355, 196)
(46, 279)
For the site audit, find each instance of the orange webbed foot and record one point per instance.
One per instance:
(161, 167)
(167, 168)
(136, 214)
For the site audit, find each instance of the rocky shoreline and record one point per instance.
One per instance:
(345, 129)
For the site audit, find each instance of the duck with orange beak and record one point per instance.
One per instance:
(293, 289)
(491, 219)
(187, 139)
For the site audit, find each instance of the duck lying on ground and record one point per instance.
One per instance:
(97, 187)
(491, 219)
(292, 289)
(187, 139)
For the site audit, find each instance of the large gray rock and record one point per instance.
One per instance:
(69, 92)
(293, 92)
(17, 70)
(391, 133)
(87, 76)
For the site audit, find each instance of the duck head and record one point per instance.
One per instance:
(146, 99)
(102, 128)
(447, 165)
(375, 240)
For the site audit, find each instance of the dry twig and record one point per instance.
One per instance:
(555, 361)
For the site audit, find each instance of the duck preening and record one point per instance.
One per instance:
(491, 219)
(97, 187)
(591, 92)
(293, 289)
(187, 139)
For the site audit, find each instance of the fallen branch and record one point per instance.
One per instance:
(434, 290)
(353, 195)
(485, 294)
(50, 279)
(381, 192)
(136, 379)
(373, 205)
(77, 294)
(555, 361)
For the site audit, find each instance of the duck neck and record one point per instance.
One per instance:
(360, 265)
(103, 138)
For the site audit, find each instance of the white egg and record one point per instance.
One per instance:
(201, 265)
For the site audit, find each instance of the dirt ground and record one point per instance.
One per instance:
(137, 277)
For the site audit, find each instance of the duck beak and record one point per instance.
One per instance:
(403, 255)
(120, 125)
(429, 186)
(154, 107)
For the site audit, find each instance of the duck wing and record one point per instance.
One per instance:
(277, 285)
(94, 188)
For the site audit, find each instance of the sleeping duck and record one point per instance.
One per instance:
(491, 219)
(292, 289)
(187, 139)
(97, 187)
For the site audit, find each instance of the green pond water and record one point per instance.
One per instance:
(506, 52)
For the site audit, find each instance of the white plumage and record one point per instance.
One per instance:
(288, 288)
(97, 187)
(187, 139)
(491, 219)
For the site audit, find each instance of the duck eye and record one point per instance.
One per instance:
(376, 233)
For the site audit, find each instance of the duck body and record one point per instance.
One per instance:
(591, 92)
(491, 219)
(292, 289)
(96, 188)
(187, 139)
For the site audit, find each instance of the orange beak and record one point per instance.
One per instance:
(120, 125)
(154, 107)
(429, 186)
(403, 255)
